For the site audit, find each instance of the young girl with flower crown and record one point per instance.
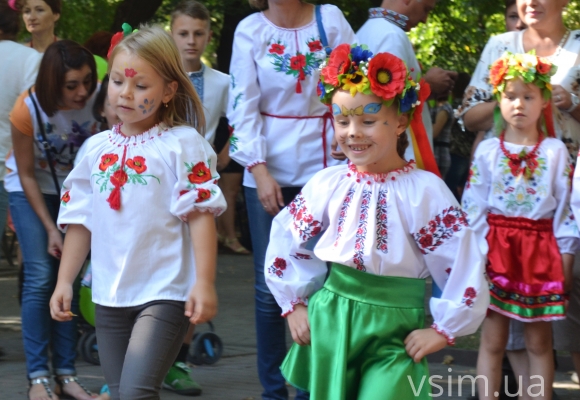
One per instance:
(384, 226)
(518, 201)
(143, 198)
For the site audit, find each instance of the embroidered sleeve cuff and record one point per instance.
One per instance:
(448, 336)
(289, 308)
(253, 164)
(216, 211)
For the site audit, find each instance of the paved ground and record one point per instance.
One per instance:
(234, 377)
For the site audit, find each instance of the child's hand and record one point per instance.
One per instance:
(299, 325)
(201, 306)
(422, 342)
(60, 303)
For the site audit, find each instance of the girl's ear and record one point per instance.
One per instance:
(402, 123)
(170, 90)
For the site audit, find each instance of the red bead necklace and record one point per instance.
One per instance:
(516, 160)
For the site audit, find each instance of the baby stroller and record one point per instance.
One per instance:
(206, 346)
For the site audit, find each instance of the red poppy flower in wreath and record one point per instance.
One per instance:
(387, 75)
(315, 45)
(202, 195)
(119, 178)
(277, 48)
(137, 164)
(298, 62)
(107, 160)
(338, 64)
(497, 71)
(544, 66)
(65, 197)
(199, 173)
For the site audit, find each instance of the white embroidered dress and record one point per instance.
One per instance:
(404, 224)
(491, 187)
(275, 71)
(568, 75)
(142, 252)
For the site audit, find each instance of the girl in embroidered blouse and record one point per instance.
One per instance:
(385, 226)
(518, 200)
(143, 198)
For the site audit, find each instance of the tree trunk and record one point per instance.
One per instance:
(134, 12)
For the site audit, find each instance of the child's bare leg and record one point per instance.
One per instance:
(539, 345)
(494, 336)
(520, 363)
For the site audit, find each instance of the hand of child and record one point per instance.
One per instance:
(60, 303)
(299, 325)
(201, 305)
(55, 243)
(422, 342)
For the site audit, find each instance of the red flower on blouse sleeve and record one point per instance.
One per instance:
(137, 164)
(65, 197)
(202, 195)
(107, 160)
(199, 173)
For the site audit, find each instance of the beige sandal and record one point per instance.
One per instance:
(235, 247)
(41, 381)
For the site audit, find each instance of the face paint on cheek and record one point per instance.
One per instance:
(130, 72)
(147, 106)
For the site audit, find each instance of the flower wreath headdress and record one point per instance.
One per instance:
(117, 37)
(530, 69)
(355, 69)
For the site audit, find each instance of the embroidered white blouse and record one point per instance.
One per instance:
(568, 75)
(141, 252)
(275, 71)
(405, 224)
(491, 187)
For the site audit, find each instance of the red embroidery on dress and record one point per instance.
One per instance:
(361, 232)
(314, 46)
(304, 222)
(301, 256)
(342, 216)
(107, 160)
(65, 198)
(439, 229)
(382, 219)
(298, 300)
(410, 166)
(137, 164)
(203, 195)
(450, 339)
(469, 296)
(198, 173)
(276, 48)
(278, 267)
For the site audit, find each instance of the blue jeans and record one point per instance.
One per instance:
(40, 273)
(457, 174)
(270, 326)
(3, 210)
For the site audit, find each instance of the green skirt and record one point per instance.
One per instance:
(358, 323)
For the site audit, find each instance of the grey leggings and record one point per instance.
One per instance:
(138, 345)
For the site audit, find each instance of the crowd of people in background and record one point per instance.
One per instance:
(335, 207)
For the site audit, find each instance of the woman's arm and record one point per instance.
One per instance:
(201, 305)
(440, 120)
(77, 244)
(480, 117)
(24, 154)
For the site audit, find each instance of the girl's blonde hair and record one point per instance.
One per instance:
(156, 47)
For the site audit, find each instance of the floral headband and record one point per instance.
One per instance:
(355, 69)
(117, 37)
(528, 67)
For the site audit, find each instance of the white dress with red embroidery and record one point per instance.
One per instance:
(405, 224)
(492, 188)
(141, 251)
(274, 73)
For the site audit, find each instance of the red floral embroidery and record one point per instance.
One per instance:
(300, 256)
(183, 192)
(450, 339)
(315, 45)
(382, 219)
(199, 173)
(361, 232)
(304, 222)
(298, 62)
(342, 216)
(65, 197)
(469, 296)
(448, 270)
(119, 178)
(137, 164)
(107, 160)
(277, 48)
(278, 267)
(202, 195)
(298, 300)
(441, 228)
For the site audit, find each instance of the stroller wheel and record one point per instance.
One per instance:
(90, 350)
(207, 348)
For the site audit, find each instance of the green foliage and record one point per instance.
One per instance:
(81, 18)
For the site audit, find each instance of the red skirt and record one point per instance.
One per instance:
(525, 269)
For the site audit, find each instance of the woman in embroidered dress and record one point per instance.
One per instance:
(517, 200)
(151, 276)
(385, 226)
(281, 134)
(40, 17)
(61, 100)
